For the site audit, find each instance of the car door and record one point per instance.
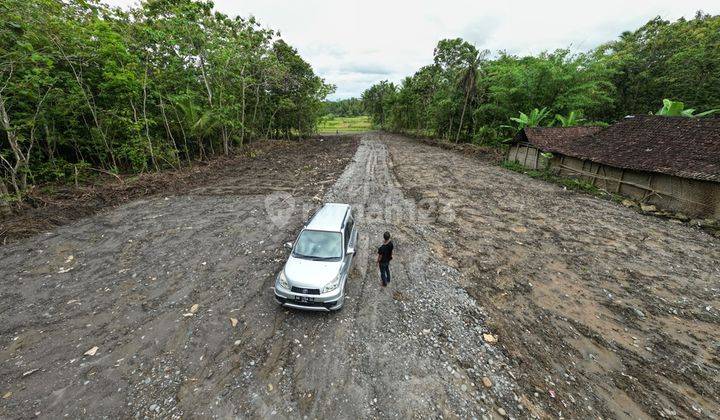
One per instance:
(350, 240)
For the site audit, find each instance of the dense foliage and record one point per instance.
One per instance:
(87, 86)
(352, 107)
(466, 96)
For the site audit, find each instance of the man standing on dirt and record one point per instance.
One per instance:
(384, 257)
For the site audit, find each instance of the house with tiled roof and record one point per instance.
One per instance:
(670, 162)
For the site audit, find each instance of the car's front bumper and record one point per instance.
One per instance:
(325, 302)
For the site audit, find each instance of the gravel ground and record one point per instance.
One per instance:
(602, 311)
(510, 297)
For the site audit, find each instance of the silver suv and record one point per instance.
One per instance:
(314, 275)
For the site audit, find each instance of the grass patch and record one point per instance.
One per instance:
(332, 125)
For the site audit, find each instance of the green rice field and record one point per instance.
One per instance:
(344, 125)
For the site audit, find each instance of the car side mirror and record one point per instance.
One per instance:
(350, 250)
(288, 245)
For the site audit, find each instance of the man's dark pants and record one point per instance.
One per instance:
(385, 273)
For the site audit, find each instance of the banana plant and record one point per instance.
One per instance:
(572, 119)
(677, 109)
(533, 119)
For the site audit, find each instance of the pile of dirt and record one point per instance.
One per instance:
(55, 205)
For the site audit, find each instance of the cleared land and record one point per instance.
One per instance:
(345, 125)
(597, 310)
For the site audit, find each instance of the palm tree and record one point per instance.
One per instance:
(469, 86)
(199, 121)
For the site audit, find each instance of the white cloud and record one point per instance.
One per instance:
(356, 43)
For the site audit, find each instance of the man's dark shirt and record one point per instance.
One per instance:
(385, 252)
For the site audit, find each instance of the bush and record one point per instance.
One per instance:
(487, 136)
(58, 170)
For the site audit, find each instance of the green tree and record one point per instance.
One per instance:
(86, 85)
(351, 107)
(378, 100)
(665, 59)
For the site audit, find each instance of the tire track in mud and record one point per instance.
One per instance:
(405, 350)
(380, 356)
(469, 238)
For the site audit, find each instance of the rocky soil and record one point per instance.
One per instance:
(602, 311)
(510, 298)
(257, 168)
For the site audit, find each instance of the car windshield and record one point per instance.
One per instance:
(316, 244)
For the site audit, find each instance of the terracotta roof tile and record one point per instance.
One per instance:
(550, 138)
(681, 146)
(686, 147)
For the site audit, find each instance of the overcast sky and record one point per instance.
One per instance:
(354, 44)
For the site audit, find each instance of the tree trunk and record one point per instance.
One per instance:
(257, 103)
(18, 155)
(147, 127)
(462, 115)
(205, 81)
(13, 176)
(242, 105)
(210, 102)
(49, 147)
(4, 205)
(270, 124)
(169, 132)
(225, 140)
(182, 131)
(202, 148)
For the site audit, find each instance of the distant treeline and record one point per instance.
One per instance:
(352, 107)
(83, 85)
(466, 95)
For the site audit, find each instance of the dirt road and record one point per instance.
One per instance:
(597, 311)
